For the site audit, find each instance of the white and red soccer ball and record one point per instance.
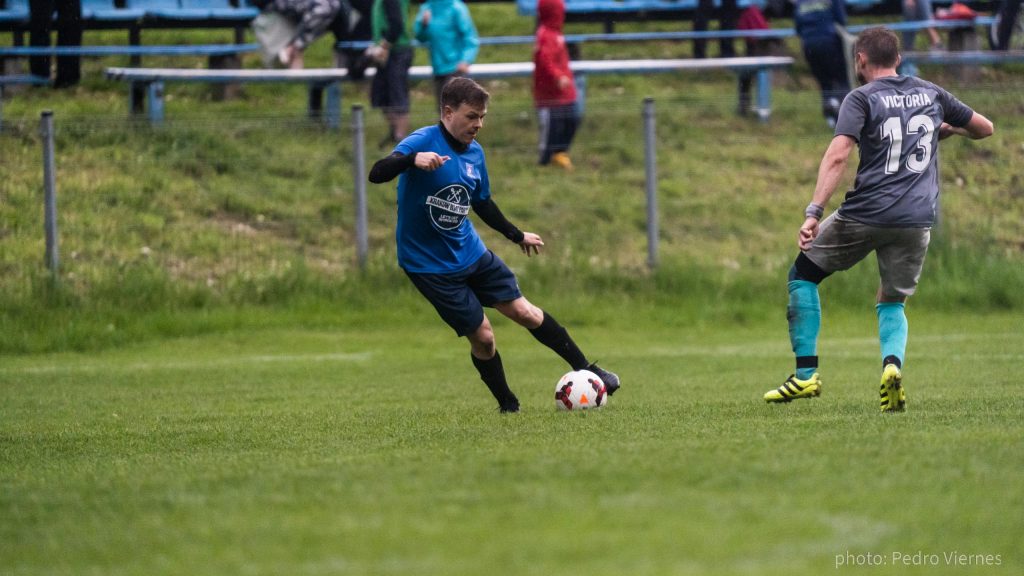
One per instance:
(580, 390)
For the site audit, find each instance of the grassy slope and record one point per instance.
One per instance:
(245, 203)
(296, 451)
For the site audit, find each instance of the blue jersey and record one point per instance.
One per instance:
(434, 233)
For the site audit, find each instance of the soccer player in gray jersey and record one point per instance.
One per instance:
(896, 122)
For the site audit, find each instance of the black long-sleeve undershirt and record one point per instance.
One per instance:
(489, 212)
(386, 169)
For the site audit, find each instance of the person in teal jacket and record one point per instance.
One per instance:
(447, 28)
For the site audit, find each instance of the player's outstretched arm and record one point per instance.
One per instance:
(977, 127)
(489, 212)
(831, 170)
(386, 169)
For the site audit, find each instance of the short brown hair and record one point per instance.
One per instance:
(461, 90)
(880, 45)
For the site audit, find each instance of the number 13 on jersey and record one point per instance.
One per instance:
(917, 161)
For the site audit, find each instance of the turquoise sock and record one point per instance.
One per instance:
(804, 315)
(892, 331)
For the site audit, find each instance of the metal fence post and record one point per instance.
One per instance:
(50, 192)
(651, 179)
(359, 176)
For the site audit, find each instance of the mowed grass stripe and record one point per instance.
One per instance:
(399, 464)
(233, 361)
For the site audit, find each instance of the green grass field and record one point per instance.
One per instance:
(375, 450)
(212, 386)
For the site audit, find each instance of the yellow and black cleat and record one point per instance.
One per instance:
(794, 388)
(893, 397)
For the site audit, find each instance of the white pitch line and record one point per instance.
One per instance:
(193, 364)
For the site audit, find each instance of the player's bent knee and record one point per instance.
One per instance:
(891, 298)
(483, 348)
(482, 340)
(805, 269)
(522, 312)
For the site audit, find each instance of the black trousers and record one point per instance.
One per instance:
(825, 57)
(558, 126)
(728, 16)
(1008, 12)
(68, 25)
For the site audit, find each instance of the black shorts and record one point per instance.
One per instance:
(460, 297)
(390, 87)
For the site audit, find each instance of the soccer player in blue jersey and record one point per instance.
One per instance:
(896, 122)
(442, 174)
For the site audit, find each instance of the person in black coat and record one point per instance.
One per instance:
(64, 16)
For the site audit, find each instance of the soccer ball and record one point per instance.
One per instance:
(580, 390)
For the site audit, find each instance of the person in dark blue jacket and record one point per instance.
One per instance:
(816, 22)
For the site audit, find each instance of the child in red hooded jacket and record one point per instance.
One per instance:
(554, 89)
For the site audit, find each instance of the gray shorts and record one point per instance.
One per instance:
(842, 243)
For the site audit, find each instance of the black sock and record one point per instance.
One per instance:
(551, 334)
(493, 374)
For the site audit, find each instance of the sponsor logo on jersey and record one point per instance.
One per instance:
(449, 206)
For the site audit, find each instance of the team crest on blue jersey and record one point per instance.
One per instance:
(449, 206)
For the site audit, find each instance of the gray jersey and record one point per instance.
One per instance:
(895, 121)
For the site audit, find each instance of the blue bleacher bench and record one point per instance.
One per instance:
(170, 50)
(182, 11)
(134, 14)
(972, 57)
(328, 80)
(13, 15)
(219, 55)
(610, 11)
(97, 11)
(614, 37)
(922, 24)
(780, 33)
